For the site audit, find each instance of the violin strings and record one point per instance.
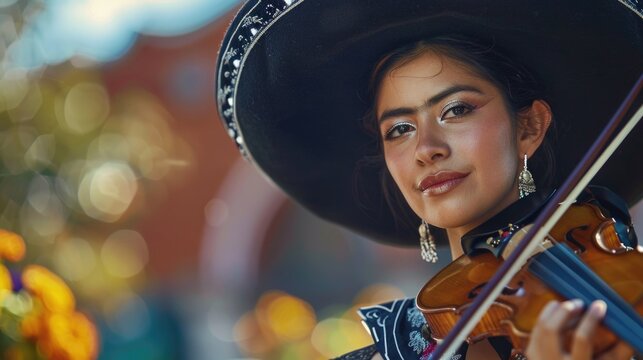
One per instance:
(583, 275)
(615, 320)
(620, 314)
(621, 318)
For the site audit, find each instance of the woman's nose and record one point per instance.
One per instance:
(431, 147)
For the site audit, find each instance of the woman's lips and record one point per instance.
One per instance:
(441, 182)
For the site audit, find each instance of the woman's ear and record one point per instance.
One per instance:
(533, 124)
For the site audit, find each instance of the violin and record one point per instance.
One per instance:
(570, 251)
(584, 233)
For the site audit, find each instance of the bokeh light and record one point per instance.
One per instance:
(283, 326)
(288, 317)
(334, 336)
(70, 174)
(75, 259)
(40, 154)
(107, 191)
(86, 107)
(14, 86)
(377, 293)
(109, 146)
(43, 215)
(28, 105)
(15, 143)
(124, 253)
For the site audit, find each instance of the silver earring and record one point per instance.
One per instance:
(427, 244)
(526, 183)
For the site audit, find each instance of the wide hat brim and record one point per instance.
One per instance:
(292, 82)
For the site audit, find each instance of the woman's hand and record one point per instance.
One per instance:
(547, 341)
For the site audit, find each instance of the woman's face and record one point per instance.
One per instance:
(448, 141)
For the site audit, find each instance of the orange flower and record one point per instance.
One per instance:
(58, 331)
(48, 287)
(69, 337)
(12, 247)
(31, 327)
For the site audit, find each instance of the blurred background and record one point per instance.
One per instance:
(117, 173)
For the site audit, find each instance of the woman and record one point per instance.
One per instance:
(455, 132)
(453, 139)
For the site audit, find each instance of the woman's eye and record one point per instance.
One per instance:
(398, 130)
(456, 110)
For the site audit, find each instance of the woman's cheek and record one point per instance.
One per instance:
(395, 167)
(401, 169)
(488, 143)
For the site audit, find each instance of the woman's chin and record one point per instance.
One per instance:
(448, 219)
(447, 214)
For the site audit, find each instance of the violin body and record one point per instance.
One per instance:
(583, 228)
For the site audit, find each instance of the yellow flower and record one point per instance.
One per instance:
(6, 284)
(49, 288)
(59, 332)
(12, 247)
(69, 337)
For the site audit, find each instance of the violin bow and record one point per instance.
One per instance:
(591, 163)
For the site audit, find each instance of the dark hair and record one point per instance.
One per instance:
(517, 85)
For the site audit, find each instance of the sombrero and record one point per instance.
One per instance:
(292, 79)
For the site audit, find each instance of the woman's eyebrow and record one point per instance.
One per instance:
(448, 91)
(396, 112)
(428, 103)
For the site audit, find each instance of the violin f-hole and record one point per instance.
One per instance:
(507, 290)
(569, 236)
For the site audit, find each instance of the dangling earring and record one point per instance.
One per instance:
(526, 183)
(427, 244)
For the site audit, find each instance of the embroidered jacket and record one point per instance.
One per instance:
(396, 328)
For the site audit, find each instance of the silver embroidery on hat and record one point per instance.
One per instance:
(258, 18)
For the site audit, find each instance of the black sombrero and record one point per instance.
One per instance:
(292, 79)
